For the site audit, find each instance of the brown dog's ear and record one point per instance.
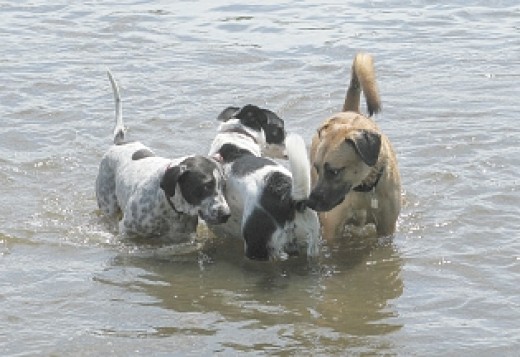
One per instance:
(367, 144)
(171, 177)
(228, 113)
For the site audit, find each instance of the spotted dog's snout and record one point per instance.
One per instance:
(223, 215)
(215, 210)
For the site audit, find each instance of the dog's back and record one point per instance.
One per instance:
(116, 159)
(259, 195)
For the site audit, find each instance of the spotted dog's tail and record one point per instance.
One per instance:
(119, 129)
(300, 167)
(363, 78)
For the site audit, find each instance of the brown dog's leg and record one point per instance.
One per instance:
(332, 224)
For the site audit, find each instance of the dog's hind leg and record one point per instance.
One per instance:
(106, 190)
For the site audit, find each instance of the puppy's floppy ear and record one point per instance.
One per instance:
(274, 128)
(171, 177)
(228, 113)
(272, 117)
(367, 144)
(252, 117)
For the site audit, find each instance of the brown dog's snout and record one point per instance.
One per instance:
(313, 200)
(321, 200)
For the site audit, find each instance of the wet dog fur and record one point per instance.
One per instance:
(355, 174)
(157, 197)
(266, 199)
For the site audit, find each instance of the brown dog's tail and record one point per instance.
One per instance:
(363, 79)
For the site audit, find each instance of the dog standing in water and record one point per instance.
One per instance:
(158, 197)
(267, 200)
(355, 174)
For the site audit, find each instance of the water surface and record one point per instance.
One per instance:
(445, 284)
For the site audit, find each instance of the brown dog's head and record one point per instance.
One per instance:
(341, 157)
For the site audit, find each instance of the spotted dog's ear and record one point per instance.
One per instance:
(367, 144)
(171, 177)
(228, 113)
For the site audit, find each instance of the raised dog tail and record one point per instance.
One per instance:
(119, 129)
(363, 78)
(300, 167)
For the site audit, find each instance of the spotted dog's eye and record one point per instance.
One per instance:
(207, 187)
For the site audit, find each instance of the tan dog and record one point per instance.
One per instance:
(354, 168)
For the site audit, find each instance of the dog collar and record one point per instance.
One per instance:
(367, 187)
(172, 206)
(168, 197)
(243, 132)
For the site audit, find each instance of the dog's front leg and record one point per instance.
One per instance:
(332, 224)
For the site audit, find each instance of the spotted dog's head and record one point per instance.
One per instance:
(196, 187)
(262, 122)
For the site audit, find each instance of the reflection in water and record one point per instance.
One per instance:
(341, 300)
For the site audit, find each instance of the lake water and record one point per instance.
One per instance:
(446, 284)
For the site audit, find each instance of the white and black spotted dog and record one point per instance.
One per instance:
(267, 200)
(158, 197)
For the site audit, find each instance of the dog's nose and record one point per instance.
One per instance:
(223, 217)
(312, 201)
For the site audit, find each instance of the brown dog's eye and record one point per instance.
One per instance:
(332, 172)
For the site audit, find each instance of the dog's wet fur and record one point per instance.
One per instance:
(264, 195)
(354, 167)
(157, 197)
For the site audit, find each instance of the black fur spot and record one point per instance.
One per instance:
(257, 232)
(276, 197)
(231, 152)
(142, 153)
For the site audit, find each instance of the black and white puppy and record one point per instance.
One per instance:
(267, 200)
(158, 197)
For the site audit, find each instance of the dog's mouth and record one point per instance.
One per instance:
(217, 218)
(321, 201)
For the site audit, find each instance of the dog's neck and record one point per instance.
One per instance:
(168, 199)
(370, 182)
(242, 131)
